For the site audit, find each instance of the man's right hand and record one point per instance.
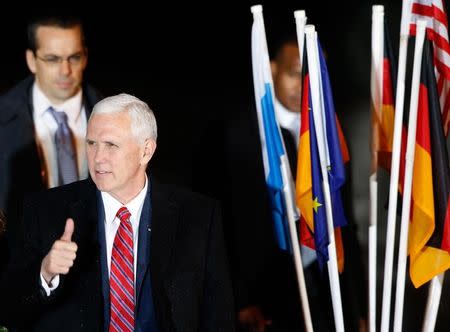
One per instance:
(61, 256)
(251, 319)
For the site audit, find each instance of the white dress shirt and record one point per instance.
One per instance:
(45, 126)
(288, 120)
(111, 206)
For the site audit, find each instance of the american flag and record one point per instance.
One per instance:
(433, 11)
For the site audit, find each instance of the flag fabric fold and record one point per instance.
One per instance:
(382, 115)
(433, 11)
(309, 190)
(429, 219)
(270, 135)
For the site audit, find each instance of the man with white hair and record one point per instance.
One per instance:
(119, 251)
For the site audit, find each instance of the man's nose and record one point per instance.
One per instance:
(65, 67)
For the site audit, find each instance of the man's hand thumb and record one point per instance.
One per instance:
(68, 230)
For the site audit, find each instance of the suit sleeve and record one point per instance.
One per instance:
(23, 297)
(218, 310)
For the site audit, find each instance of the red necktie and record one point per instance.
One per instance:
(121, 280)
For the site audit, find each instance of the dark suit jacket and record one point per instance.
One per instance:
(20, 163)
(187, 266)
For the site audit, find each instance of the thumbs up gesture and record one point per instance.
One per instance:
(61, 256)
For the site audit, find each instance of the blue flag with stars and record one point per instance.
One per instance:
(319, 213)
(335, 168)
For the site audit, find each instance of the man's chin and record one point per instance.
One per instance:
(101, 185)
(65, 93)
(295, 109)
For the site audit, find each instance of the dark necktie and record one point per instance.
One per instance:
(121, 279)
(65, 150)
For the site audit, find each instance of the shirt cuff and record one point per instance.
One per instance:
(54, 283)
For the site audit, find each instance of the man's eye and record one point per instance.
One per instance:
(53, 59)
(75, 59)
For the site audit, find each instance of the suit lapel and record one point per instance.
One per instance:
(143, 258)
(164, 223)
(165, 213)
(100, 213)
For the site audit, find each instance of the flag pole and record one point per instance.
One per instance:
(395, 166)
(288, 189)
(290, 206)
(434, 297)
(300, 21)
(314, 71)
(377, 100)
(409, 169)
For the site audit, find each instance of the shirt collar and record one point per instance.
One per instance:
(71, 106)
(112, 205)
(286, 118)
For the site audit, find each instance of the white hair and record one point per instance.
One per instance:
(143, 122)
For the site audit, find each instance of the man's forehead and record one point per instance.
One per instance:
(289, 55)
(56, 39)
(110, 120)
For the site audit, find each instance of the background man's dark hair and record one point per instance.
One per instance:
(279, 42)
(59, 21)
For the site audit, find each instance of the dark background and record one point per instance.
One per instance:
(191, 62)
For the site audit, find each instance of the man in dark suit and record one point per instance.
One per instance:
(158, 264)
(57, 57)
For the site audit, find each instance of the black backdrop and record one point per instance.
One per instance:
(191, 61)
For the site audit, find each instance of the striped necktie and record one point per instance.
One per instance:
(65, 149)
(121, 280)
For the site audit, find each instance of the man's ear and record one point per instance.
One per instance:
(31, 60)
(149, 150)
(85, 58)
(273, 67)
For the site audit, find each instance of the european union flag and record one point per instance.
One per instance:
(319, 214)
(335, 158)
(336, 167)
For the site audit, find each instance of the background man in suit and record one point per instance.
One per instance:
(161, 269)
(57, 57)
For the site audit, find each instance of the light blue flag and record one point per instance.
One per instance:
(273, 151)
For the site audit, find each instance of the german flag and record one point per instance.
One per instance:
(303, 179)
(429, 244)
(309, 195)
(383, 113)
